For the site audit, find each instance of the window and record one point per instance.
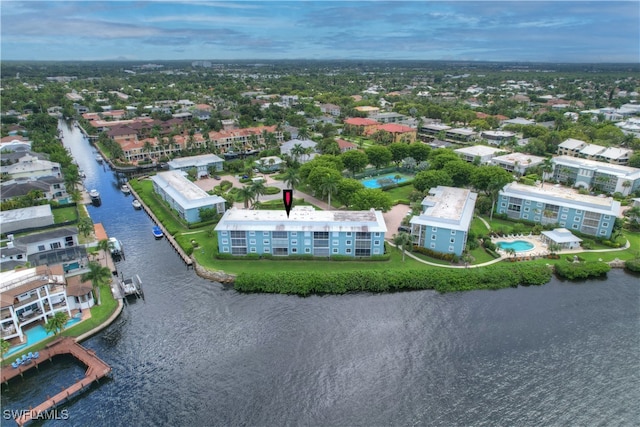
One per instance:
(239, 251)
(294, 242)
(565, 209)
(605, 224)
(307, 250)
(607, 217)
(41, 247)
(294, 234)
(453, 232)
(434, 229)
(279, 235)
(281, 251)
(604, 232)
(526, 209)
(433, 237)
(348, 250)
(335, 250)
(294, 250)
(223, 233)
(452, 240)
(307, 242)
(265, 233)
(348, 234)
(376, 235)
(267, 250)
(253, 250)
(527, 202)
(576, 218)
(56, 245)
(563, 216)
(450, 248)
(225, 249)
(578, 212)
(376, 251)
(265, 242)
(574, 226)
(252, 233)
(252, 241)
(225, 241)
(334, 243)
(376, 243)
(348, 242)
(432, 246)
(503, 204)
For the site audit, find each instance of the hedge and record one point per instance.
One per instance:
(581, 270)
(441, 280)
(633, 265)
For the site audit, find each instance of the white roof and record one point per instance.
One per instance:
(592, 149)
(571, 144)
(25, 213)
(436, 126)
(561, 235)
(478, 150)
(184, 192)
(462, 131)
(615, 152)
(287, 146)
(519, 121)
(602, 167)
(276, 160)
(302, 218)
(447, 207)
(522, 159)
(562, 196)
(194, 161)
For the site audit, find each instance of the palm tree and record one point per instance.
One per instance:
(626, 184)
(258, 189)
(402, 240)
(510, 252)
(4, 346)
(246, 194)
(546, 168)
(98, 275)
(57, 323)
(303, 134)
(296, 151)
(329, 185)
(291, 178)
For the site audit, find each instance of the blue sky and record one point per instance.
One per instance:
(574, 31)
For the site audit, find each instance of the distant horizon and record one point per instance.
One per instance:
(572, 32)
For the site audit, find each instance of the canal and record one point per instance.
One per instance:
(195, 353)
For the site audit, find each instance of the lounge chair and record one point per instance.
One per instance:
(15, 365)
(36, 354)
(30, 355)
(18, 361)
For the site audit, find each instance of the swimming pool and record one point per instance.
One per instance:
(517, 245)
(37, 334)
(385, 180)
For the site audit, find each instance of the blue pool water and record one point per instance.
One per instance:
(37, 334)
(373, 181)
(518, 245)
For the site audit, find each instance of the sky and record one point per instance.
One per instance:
(532, 31)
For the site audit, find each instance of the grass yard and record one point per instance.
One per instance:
(400, 193)
(60, 215)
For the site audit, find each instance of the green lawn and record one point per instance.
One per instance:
(69, 213)
(400, 193)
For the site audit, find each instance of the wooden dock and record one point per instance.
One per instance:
(96, 369)
(187, 260)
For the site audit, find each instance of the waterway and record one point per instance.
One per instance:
(199, 354)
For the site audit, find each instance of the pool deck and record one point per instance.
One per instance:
(539, 248)
(96, 369)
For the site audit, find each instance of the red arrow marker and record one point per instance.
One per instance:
(287, 198)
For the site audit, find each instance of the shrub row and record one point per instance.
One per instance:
(434, 254)
(441, 280)
(303, 257)
(581, 270)
(633, 265)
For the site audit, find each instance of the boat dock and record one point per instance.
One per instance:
(96, 369)
(187, 260)
(131, 287)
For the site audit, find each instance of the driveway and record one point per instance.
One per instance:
(394, 218)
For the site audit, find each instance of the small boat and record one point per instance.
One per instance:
(115, 247)
(136, 204)
(82, 174)
(99, 158)
(95, 197)
(157, 232)
(125, 189)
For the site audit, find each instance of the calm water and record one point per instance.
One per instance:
(195, 353)
(517, 245)
(373, 181)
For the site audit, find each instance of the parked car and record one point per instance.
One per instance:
(216, 177)
(404, 228)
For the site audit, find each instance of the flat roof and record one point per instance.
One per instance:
(201, 160)
(302, 218)
(522, 159)
(447, 207)
(602, 167)
(562, 196)
(479, 150)
(183, 191)
(22, 214)
(571, 143)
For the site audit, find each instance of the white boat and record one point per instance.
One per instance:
(136, 204)
(95, 195)
(99, 158)
(115, 247)
(125, 189)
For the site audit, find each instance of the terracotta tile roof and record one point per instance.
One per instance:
(358, 121)
(345, 144)
(395, 128)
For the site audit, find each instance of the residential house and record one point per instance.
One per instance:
(269, 164)
(184, 196)
(359, 125)
(202, 163)
(26, 218)
(304, 232)
(553, 204)
(399, 133)
(288, 148)
(561, 237)
(517, 162)
(332, 109)
(389, 117)
(247, 139)
(30, 166)
(51, 188)
(461, 134)
(368, 110)
(346, 145)
(606, 177)
(443, 224)
(34, 295)
(478, 153)
(498, 137)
